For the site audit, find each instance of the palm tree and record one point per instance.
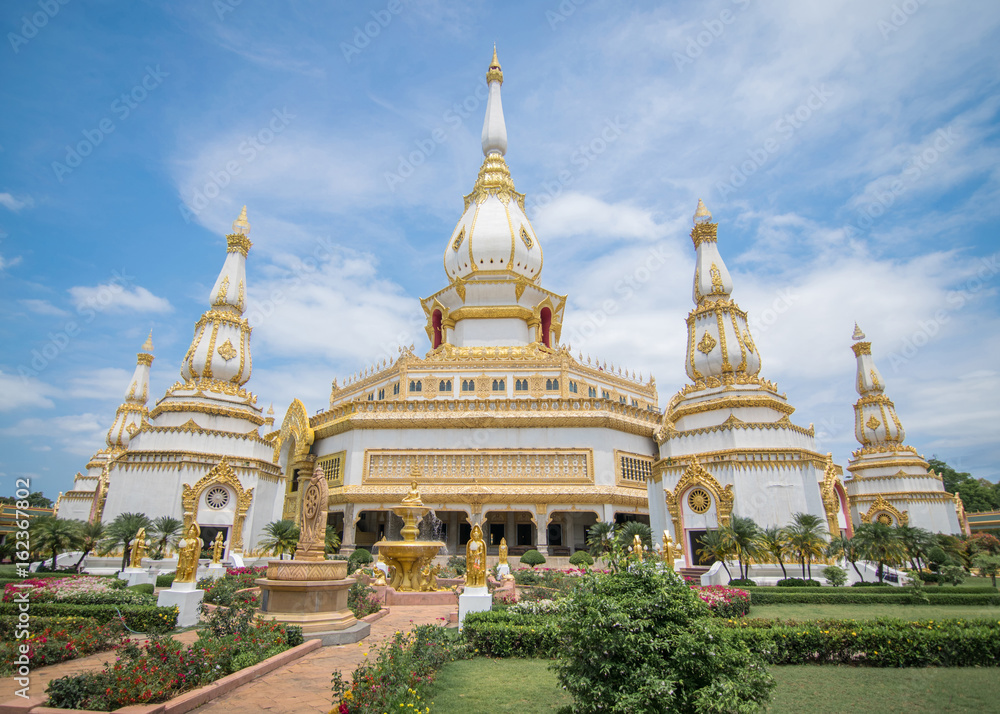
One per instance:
(332, 543)
(599, 538)
(715, 546)
(166, 530)
(847, 548)
(880, 543)
(917, 543)
(91, 534)
(806, 538)
(626, 534)
(280, 537)
(772, 541)
(55, 535)
(743, 536)
(121, 532)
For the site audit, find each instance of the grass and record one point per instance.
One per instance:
(527, 686)
(498, 686)
(806, 611)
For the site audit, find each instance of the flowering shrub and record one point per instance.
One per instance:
(56, 639)
(163, 668)
(223, 590)
(82, 589)
(725, 601)
(141, 618)
(536, 607)
(396, 678)
(362, 599)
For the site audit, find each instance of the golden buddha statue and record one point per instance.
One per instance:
(475, 559)
(671, 550)
(217, 547)
(503, 552)
(413, 497)
(138, 549)
(637, 547)
(188, 554)
(380, 574)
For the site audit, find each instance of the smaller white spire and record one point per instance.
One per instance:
(494, 127)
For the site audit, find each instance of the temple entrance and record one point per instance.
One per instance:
(694, 546)
(568, 531)
(208, 534)
(515, 526)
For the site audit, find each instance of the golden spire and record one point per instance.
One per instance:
(494, 72)
(241, 225)
(858, 334)
(147, 346)
(701, 214)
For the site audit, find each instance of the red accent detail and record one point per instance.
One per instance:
(546, 326)
(436, 324)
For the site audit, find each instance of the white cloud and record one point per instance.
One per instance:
(107, 383)
(24, 392)
(573, 215)
(9, 262)
(43, 307)
(112, 297)
(11, 203)
(75, 434)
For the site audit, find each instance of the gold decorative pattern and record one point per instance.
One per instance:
(632, 470)
(882, 506)
(707, 343)
(333, 468)
(748, 341)
(699, 501)
(227, 351)
(294, 426)
(236, 243)
(220, 299)
(223, 474)
(697, 475)
(457, 243)
(830, 491)
(717, 287)
(873, 423)
(445, 466)
(526, 239)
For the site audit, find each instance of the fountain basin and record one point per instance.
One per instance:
(408, 557)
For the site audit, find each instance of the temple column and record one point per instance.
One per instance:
(542, 529)
(569, 536)
(350, 524)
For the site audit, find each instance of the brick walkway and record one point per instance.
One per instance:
(41, 677)
(304, 686)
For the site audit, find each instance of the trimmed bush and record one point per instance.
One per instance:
(358, 558)
(797, 583)
(141, 618)
(865, 584)
(145, 588)
(835, 575)
(581, 558)
(503, 633)
(533, 558)
(165, 581)
(742, 583)
(849, 596)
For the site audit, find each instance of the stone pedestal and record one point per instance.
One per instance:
(216, 571)
(473, 600)
(136, 576)
(312, 595)
(187, 597)
(503, 570)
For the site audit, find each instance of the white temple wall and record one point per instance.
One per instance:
(75, 508)
(491, 333)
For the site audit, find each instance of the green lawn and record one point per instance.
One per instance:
(804, 611)
(526, 686)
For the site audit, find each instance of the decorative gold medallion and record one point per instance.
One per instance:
(227, 351)
(873, 423)
(884, 518)
(526, 238)
(716, 274)
(707, 343)
(458, 240)
(699, 501)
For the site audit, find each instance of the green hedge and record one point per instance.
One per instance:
(141, 618)
(864, 596)
(499, 633)
(882, 642)
(8, 624)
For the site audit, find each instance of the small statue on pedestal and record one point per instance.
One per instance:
(138, 549)
(671, 550)
(503, 552)
(188, 553)
(637, 547)
(475, 559)
(217, 547)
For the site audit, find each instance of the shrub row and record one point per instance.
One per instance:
(141, 618)
(874, 643)
(500, 633)
(51, 640)
(797, 583)
(847, 596)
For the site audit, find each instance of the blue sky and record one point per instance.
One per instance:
(848, 150)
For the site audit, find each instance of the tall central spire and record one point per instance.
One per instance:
(494, 128)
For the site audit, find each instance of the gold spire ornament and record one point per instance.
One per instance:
(241, 225)
(701, 213)
(494, 73)
(858, 334)
(147, 346)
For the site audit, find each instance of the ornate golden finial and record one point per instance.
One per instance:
(858, 334)
(494, 73)
(240, 225)
(147, 346)
(270, 410)
(701, 214)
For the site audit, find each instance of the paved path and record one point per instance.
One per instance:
(41, 677)
(304, 685)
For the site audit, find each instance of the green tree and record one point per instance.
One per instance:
(715, 546)
(599, 538)
(332, 542)
(977, 494)
(917, 542)
(988, 565)
(121, 532)
(627, 532)
(166, 531)
(807, 539)
(773, 541)
(881, 544)
(91, 535)
(280, 537)
(846, 548)
(55, 535)
(744, 540)
(35, 499)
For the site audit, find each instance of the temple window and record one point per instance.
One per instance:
(381, 394)
(468, 385)
(395, 388)
(573, 387)
(605, 394)
(499, 385)
(444, 385)
(546, 316)
(591, 391)
(520, 385)
(436, 325)
(416, 385)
